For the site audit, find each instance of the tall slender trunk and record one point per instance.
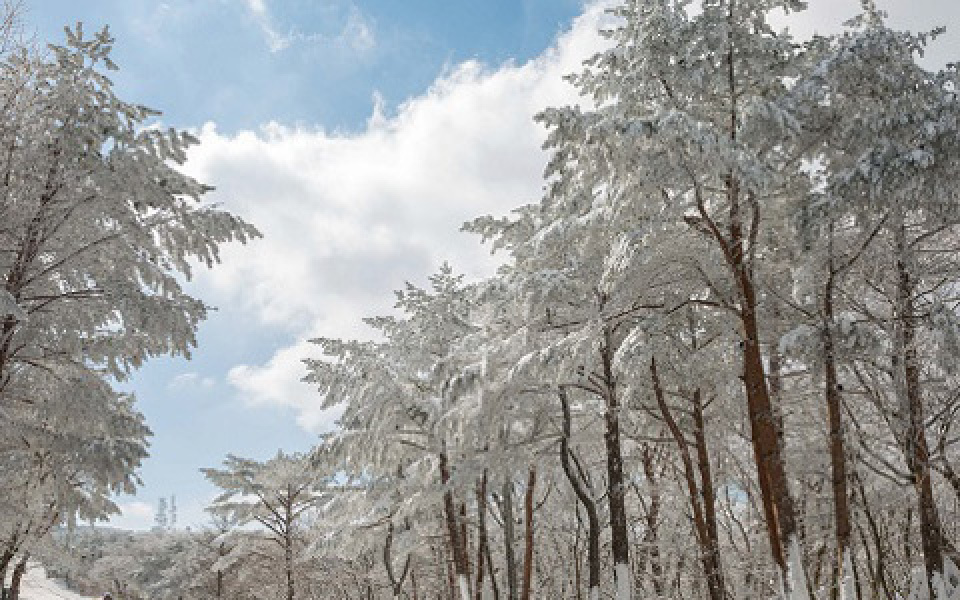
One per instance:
(528, 534)
(396, 583)
(457, 543)
(704, 526)
(481, 533)
(513, 591)
(465, 536)
(221, 552)
(775, 495)
(616, 494)
(585, 497)
(715, 578)
(651, 537)
(16, 579)
(778, 505)
(915, 436)
(838, 461)
(288, 563)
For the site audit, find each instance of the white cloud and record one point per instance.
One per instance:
(356, 36)
(279, 383)
(347, 218)
(191, 381)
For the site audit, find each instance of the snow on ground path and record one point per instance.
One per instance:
(36, 586)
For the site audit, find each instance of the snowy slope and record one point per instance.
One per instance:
(36, 586)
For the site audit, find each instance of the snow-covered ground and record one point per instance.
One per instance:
(36, 586)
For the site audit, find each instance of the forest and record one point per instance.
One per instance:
(718, 360)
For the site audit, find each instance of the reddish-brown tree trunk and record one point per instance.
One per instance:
(737, 248)
(715, 579)
(778, 506)
(704, 526)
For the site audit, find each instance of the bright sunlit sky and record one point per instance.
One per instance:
(357, 135)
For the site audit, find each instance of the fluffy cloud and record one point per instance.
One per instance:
(348, 217)
(278, 383)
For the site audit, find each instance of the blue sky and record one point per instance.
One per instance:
(242, 63)
(306, 64)
(358, 135)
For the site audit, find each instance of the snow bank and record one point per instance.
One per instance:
(36, 586)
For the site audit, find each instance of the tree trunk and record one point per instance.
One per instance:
(288, 563)
(413, 584)
(706, 533)
(457, 543)
(5, 559)
(585, 497)
(616, 494)
(221, 552)
(481, 533)
(528, 534)
(915, 436)
(778, 505)
(715, 579)
(396, 583)
(15, 580)
(465, 537)
(838, 461)
(651, 537)
(513, 590)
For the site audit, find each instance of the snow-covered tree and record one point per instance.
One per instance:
(276, 494)
(98, 228)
